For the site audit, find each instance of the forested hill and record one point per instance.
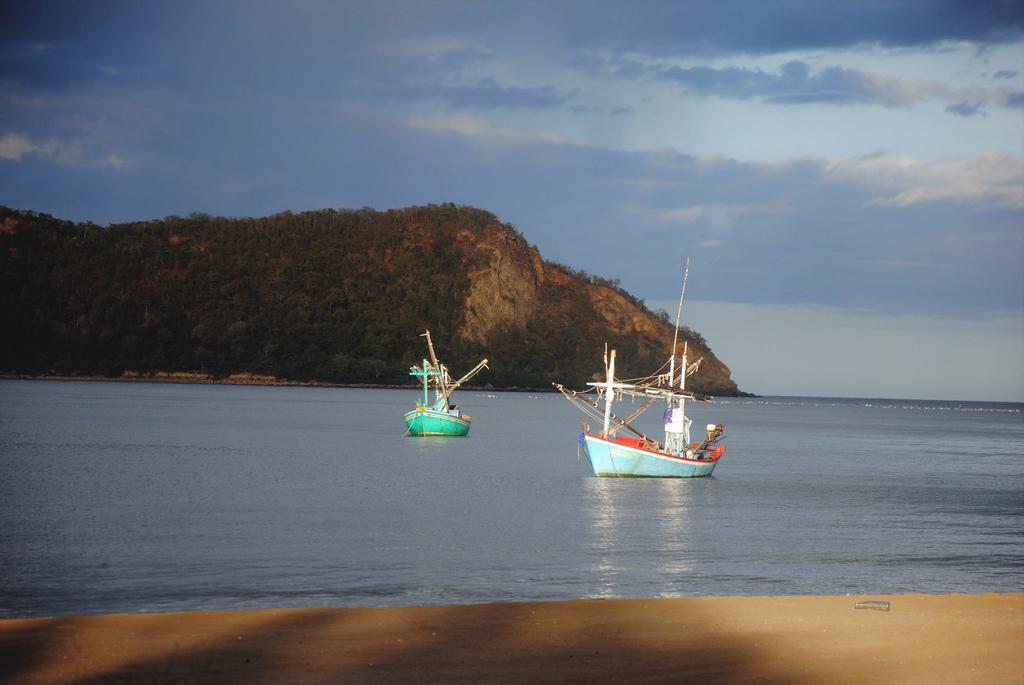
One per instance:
(337, 296)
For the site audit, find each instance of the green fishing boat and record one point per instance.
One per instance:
(440, 417)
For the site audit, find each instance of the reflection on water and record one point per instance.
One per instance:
(600, 498)
(625, 512)
(674, 505)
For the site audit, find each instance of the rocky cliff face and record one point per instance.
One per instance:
(511, 287)
(504, 275)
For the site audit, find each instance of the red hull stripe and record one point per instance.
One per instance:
(712, 459)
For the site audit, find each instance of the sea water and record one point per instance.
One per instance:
(131, 497)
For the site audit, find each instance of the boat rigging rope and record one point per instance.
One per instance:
(648, 379)
(584, 407)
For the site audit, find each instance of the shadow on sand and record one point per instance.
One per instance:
(658, 641)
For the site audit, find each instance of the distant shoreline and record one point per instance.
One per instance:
(195, 378)
(930, 639)
(184, 378)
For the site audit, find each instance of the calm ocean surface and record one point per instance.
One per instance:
(127, 497)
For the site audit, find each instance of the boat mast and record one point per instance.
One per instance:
(675, 336)
(609, 396)
(426, 394)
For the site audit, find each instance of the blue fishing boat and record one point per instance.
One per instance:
(637, 455)
(438, 417)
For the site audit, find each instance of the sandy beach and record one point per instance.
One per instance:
(921, 639)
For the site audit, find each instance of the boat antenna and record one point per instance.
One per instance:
(679, 311)
(675, 336)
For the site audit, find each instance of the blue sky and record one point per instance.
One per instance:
(848, 178)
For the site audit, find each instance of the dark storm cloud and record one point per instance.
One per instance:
(793, 83)
(483, 95)
(711, 27)
(489, 94)
(54, 66)
(1015, 100)
(64, 42)
(966, 109)
(596, 109)
(57, 45)
(323, 49)
(1004, 73)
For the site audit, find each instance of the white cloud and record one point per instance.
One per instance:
(994, 177)
(476, 127)
(16, 146)
(433, 47)
(893, 91)
(715, 215)
(113, 162)
(646, 184)
(683, 215)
